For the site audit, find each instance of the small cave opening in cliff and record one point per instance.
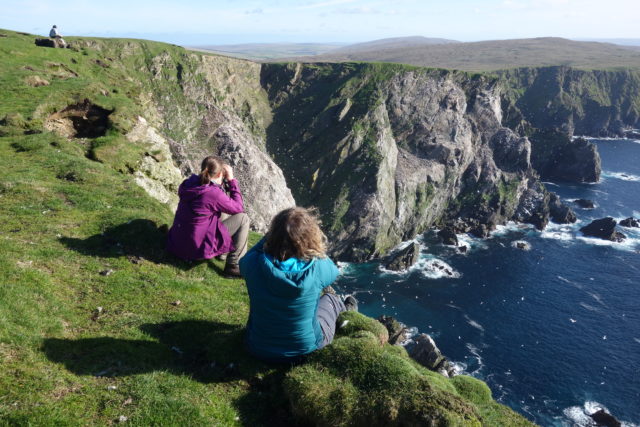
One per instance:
(81, 120)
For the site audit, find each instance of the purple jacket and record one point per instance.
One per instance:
(197, 232)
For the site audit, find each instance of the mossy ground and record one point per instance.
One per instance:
(97, 321)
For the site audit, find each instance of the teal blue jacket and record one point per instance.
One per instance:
(283, 299)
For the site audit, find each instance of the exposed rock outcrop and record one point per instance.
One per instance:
(398, 332)
(559, 212)
(630, 222)
(156, 171)
(584, 203)
(604, 228)
(404, 258)
(49, 42)
(448, 236)
(603, 418)
(425, 351)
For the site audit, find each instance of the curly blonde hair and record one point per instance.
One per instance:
(296, 233)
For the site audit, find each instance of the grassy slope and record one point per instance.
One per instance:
(65, 219)
(55, 206)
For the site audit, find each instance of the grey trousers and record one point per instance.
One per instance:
(238, 227)
(329, 307)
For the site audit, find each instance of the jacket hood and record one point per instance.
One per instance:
(191, 188)
(286, 283)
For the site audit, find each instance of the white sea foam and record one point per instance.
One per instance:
(597, 298)
(473, 323)
(621, 175)
(637, 340)
(430, 267)
(558, 231)
(629, 244)
(521, 244)
(588, 307)
(570, 282)
(472, 243)
(345, 267)
(434, 268)
(511, 226)
(476, 354)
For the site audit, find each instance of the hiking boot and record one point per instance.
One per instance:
(351, 303)
(232, 271)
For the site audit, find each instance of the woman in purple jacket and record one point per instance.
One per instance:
(209, 222)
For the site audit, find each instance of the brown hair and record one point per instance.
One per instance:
(295, 232)
(211, 166)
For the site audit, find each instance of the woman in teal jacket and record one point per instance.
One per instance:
(285, 274)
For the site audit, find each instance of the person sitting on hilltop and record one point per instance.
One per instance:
(57, 36)
(208, 222)
(285, 274)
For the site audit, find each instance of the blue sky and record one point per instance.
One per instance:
(240, 21)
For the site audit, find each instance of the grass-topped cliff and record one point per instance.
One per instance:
(98, 324)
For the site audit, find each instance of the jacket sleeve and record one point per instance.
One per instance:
(231, 204)
(329, 272)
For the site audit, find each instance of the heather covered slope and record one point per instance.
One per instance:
(97, 323)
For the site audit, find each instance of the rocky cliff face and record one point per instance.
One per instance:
(214, 105)
(552, 104)
(388, 151)
(384, 151)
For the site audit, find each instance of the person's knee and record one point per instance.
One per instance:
(244, 218)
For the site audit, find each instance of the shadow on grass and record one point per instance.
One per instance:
(208, 352)
(138, 239)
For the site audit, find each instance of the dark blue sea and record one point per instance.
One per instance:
(554, 330)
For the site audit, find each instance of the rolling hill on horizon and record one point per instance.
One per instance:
(491, 55)
(267, 51)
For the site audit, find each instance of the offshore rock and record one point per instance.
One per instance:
(630, 222)
(404, 258)
(448, 236)
(603, 418)
(584, 203)
(604, 228)
(559, 212)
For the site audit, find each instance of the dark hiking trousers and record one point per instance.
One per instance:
(329, 307)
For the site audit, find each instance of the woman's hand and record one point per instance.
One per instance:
(227, 172)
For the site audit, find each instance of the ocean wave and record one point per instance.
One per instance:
(476, 355)
(589, 307)
(472, 243)
(473, 323)
(429, 266)
(559, 231)
(629, 244)
(580, 415)
(570, 282)
(509, 227)
(621, 175)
